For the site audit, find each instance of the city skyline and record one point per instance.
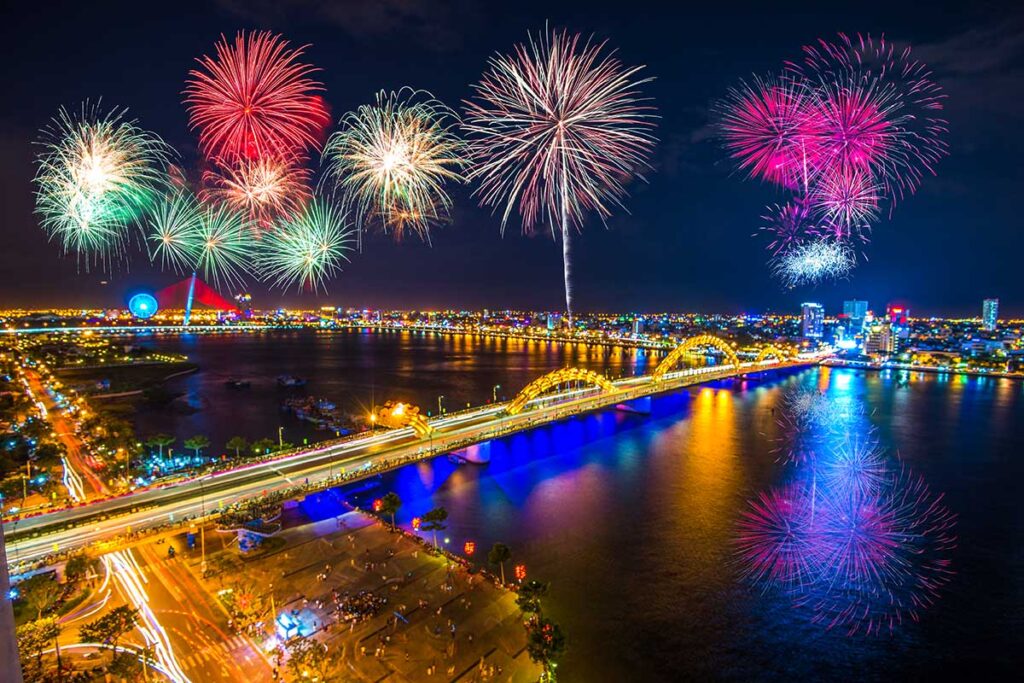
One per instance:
(685, 245)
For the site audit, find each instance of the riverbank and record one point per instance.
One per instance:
(439, 620)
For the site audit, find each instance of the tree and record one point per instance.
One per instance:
(237, 444)
(545, 643)
(434, 521)
(34, 636)
(499, 555)
(111, 627)
(309, 659)
(389, 505)
(528, 598)
(197, 443)
(160, 441)
(78, 567)
(40, 592)
(263, 446)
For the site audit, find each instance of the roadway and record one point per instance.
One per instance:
(31, 539)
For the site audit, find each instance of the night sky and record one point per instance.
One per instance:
(687, 243)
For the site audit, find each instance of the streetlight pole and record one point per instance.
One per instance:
(440, 410)
(494, 393)
(280, 437)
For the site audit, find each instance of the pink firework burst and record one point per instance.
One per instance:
(881, 109)
(846, 201)
(255, 98)
(772, 130)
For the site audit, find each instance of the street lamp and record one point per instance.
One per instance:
(280, 437)
(494, 393)
(440, 409)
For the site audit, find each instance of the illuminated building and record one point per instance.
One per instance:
(990, 314)
(554, 321)
(638, 326)
(812, 320)
(897, 314)
(856, 310)
(880, 340)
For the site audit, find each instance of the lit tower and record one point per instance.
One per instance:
(813, 320)
(990, 314)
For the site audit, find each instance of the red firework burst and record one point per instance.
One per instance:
(255, 99)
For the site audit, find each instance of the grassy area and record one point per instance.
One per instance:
(122, 378)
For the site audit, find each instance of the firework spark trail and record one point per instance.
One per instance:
(96, 176)
(307, 248)
(255, 99)
(812, 262)
(557, 128)
(391, 161)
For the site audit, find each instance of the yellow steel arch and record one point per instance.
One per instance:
(672, 359)
(553, 379)
(771, 351)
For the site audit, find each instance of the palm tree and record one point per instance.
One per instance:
(237, 444)
(499, 555)
(197, 443)
(160, 441)
(434, 521)
(389, 505)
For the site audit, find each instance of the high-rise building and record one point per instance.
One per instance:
(638, 326)
(856, 310)
(990, 314)
(879, 340)
(813, 320)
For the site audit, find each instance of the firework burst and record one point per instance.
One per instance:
(814, 261)
(255, 99)
(391, 160)
(846, 201)
(223, 245)
(880, 109)
(558, 128)
(307, 248)
(772, 131)
(96, 177)
(788, 226)
(173, 226)
(264, 188)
